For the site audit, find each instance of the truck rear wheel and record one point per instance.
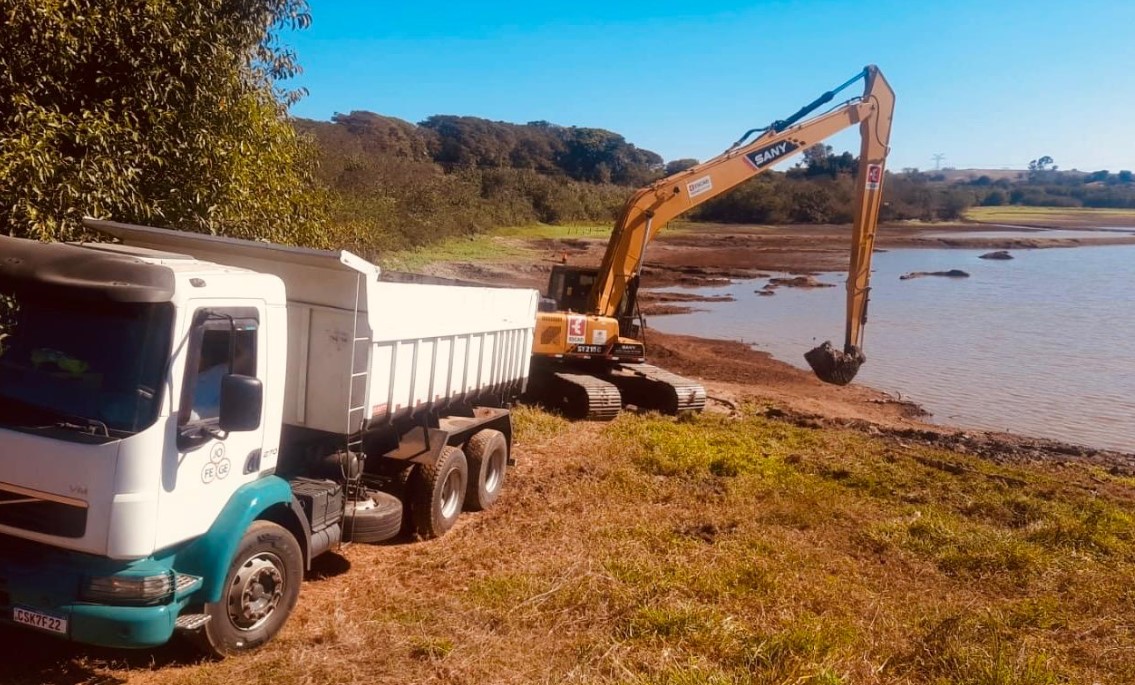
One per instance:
(261, 589)
(437, 492)
(487, 453)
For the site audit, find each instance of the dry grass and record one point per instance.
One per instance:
(711, 550)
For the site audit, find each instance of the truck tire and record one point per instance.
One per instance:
(260, 592)
(487, 453)
(377, 518)
(437, 492)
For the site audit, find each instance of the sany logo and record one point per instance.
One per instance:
(770, 153)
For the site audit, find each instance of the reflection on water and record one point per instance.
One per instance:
(1041, 345)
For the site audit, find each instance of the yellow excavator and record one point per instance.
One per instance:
(589, 358)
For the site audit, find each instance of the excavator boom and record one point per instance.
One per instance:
(652, 207)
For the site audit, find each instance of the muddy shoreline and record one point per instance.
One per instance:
(737, 376)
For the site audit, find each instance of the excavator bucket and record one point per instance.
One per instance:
(832, 366)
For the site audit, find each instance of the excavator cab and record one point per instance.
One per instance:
(570, 286)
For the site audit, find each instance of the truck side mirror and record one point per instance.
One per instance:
(242, 398)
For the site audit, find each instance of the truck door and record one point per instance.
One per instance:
(211, 464)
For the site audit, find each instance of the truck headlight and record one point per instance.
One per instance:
(129, 589)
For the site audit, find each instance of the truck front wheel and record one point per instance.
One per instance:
(261, 588)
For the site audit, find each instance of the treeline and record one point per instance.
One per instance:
(1098, 189)
(821, 189)
(395, 184)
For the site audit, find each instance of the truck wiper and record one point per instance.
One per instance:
(33, 412)
(84, 425)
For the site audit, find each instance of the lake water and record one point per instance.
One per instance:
(1042, 345)
(1106, 233)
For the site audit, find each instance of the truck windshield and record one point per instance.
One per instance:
(89, 366)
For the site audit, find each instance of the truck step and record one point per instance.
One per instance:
(649, 387)
(188, 623)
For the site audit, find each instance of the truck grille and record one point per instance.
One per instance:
(32, 511)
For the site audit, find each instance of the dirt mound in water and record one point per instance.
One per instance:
(806, 282)
(952, 273)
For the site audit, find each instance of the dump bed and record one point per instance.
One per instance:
(361, 349)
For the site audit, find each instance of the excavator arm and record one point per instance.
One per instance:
(651, 208)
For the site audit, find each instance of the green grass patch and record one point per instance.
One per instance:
(961, 547)
(978, 649)
(532, 424)
(1086, 216)
(710, 445)
(479, 248)
(556, 231)
(1086, 527)
(505, 591)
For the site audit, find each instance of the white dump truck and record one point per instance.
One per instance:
(186, 421)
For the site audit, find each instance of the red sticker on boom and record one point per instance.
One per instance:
(874, 176)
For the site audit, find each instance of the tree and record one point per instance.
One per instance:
(152, 111)
(677, 165)
(816, 155)
(994, 198)
(1041, 164)
(819, 160)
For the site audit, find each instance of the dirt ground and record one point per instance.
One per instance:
(734, 373)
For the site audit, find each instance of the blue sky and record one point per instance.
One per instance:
(987, 84)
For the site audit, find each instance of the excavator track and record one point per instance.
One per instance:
(601, 396)
(649, 387)
(577, 395)
(595, 399)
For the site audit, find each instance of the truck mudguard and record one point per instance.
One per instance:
(209, 556)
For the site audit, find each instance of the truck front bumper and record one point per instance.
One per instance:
(41, 589)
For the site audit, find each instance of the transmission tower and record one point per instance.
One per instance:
(938, 157)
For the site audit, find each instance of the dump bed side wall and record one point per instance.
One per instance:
(425, 345)
(439, 343)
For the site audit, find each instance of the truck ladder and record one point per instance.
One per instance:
(356, 397)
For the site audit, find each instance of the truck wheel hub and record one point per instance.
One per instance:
(451, 493)
(256, 591)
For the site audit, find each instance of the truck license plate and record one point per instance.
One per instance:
(36, 619)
